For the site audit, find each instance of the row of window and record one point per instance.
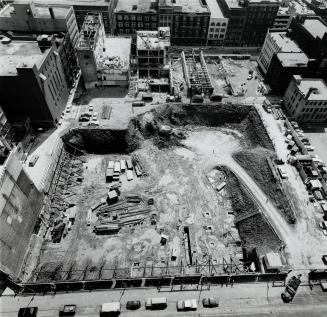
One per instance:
(313, 116)
(127, 17)
(216, 36)
(212, 30)
(217, 24)
(311, 109)
(138, 24)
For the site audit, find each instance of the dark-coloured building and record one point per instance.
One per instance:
(248, 21)
(32, 81)
(188, 21)
(310, 33)
(282, 68)
(132, 16)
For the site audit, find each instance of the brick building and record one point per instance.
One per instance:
(32, 81)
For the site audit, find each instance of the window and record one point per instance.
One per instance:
(212, 29)
(133, 18)
(133, 24)
(223, 24)
(153, 18)
(147, 25)
(140, 24)
(154, 25)
(120, 24)
(126, 24)
(146, 18)
(119, 17)
(126, 17)
(212, 24)
(218, 24)
(211, 36)
(139, 18)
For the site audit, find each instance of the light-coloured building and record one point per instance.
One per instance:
(104, 61)
(32, 81)
(152, 47)
(275, 42)
(306, 99)
(26, 16)
(217, 25)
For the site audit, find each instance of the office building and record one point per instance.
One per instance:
(217, 25)
(132, 16)
(26, 16)
(275, 42)
(188, 21)
(32, 81)
(306, 99)
(248, 21)
(104, 61)
(152, 49)
(6, 132)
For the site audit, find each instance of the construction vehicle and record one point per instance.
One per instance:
(291, 288)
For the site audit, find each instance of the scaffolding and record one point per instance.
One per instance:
(90, 31)
(196, 73)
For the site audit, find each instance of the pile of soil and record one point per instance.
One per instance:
(255, 231)
(254, 161)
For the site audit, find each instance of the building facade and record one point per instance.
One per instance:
(188, 21)
(32, 82)
(27, 16)
(152, 49)
(217, 25)
(275, 42)
(306, 99)
(135, 16)
(248, 21)
(20, 206)
(104, 61)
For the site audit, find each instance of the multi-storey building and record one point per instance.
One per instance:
(310, 33)
(248, 21)
(32, 81)
(26, 16)
(283, 66)
(217, 25)
(132, 16)
(6, 132)
(275, 42)
(104, 61)
(306, 99)
(188, 21)
(151, 48)
(319, 7)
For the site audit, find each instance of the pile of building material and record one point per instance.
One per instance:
(129, 211)
(138, 166)
(115, 169)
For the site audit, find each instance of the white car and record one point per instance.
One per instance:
(68, 109)
(309, 147)
(186, 305)
(95, 116)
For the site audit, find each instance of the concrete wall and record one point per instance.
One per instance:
(20, 204)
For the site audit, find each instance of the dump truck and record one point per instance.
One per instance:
(291, 288)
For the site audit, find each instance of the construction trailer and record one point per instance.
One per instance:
(196, 73)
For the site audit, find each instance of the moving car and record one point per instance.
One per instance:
(133, 304)
(187, 305)
(210, 302)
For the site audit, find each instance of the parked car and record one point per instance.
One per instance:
(110, 309)
(187, 305)
(250, 77)
(210, 302)
(27, 312)
(69, 108)
(156, 303)
(95, 116)
(309, 147)
(90, 108)
(68, 310)
(133, 304)
(282, 172)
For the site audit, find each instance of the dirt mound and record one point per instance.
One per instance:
(103, 141)
(240, 117)
(255, 162)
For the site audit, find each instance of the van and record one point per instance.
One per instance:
(156, 303)
(138, 104)
(282, 172)
(33, 160)
(147, 97)
(110, 309)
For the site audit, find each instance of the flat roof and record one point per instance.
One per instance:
(19, 54)
(320, 92)
(293, 59)
(236, 3)
(187, 5)
(73, 2)
(315, 27)
(136, 6)
(59, 11)
(215, 10)
(284, 42)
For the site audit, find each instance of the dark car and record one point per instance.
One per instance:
(27, 312)
(324, 259)
(68, 310)
(210, 302)
(133, 304)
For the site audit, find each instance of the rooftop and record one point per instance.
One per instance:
(295, 7)
(69, 2)
(214, 9)
(117, 54)
(315, 27)
(151, 40)
(188, 5)
(319, 91)
(284, 42)
(137, 6)
(19, 54)
(236, 3)
(293, 59)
